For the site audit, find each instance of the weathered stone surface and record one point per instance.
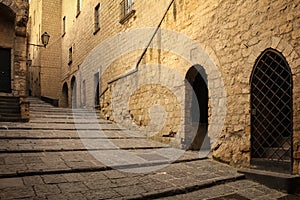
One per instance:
(232, 35)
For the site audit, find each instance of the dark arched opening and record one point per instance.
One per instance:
(74, 92)
(64, 96)
(196, 106)
(271, 113)
(97, 90)
(7, 35)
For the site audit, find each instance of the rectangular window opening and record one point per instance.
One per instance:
(64, 26)
(97, 18)
(70, 55)
(127, 10)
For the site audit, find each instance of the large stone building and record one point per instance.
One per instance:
(224, 74)
(45, 63)
(13, 66)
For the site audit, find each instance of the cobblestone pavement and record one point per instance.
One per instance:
(47, 159)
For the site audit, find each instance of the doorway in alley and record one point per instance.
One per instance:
(271, 113)
(64, 97)
(5, 70)
(196, 109)
(97, 90)
(74, 92)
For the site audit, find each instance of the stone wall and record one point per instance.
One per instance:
(223, 37)
(13, 22)
(45, 67)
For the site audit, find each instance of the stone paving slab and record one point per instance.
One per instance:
(116, 184)
(203, 179)
(8, 145)
(241, 189)
(69, 121)
(68, 134)
(15, 164)
(59, 126)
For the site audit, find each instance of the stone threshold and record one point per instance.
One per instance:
(285, 182)
(190, 188)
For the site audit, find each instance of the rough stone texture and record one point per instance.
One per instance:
(231, 35)
(45, 66)
(13, 23)
(72, 174)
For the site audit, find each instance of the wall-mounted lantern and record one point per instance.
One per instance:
(45, 40)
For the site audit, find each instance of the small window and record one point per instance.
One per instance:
(97, 18)
(84, 93)
(127, 10)
(64, 26)
(78, 7)
(70, 55)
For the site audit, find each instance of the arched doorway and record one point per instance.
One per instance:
(73, 92)
(271, 113)
(197, 109)
(7, 35)
(97, 90)
(64, 97)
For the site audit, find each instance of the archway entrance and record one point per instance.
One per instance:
(5, 70)
(197, 107)
(97, 90)
(64, 98)
(74, 92)
(271, 113)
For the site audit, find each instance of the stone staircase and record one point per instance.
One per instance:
(10, 108)
(61, 154)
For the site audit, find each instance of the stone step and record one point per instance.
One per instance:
(71, 134)
(9, 99)
(61, 126)
(68, 120)
(10, 109)
(83, 144)
(172, 179)
(28, 164)
(279, 181)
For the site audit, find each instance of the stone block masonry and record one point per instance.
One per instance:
(231, 35)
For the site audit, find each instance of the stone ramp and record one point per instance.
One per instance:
(51, 158)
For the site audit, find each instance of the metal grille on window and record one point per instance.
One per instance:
(271, 111)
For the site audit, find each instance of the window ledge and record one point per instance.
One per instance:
(126, 17)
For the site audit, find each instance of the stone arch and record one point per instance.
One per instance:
(64, 96)
(73, 92)
(11, 5)
(7, 12)
(196, 109)
(280, 45)
(271, 112)
(293, 59)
